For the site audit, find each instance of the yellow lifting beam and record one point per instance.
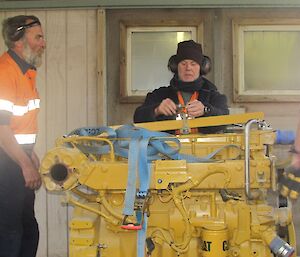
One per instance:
(200, 122)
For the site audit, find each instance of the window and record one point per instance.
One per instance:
(145, 51)
(266, 60)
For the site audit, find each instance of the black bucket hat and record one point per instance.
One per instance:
(189, 50)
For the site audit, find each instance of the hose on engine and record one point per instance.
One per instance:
(178, 199)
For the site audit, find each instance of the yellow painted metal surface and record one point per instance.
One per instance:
(214, 240)
(195, 209)
(200, 122)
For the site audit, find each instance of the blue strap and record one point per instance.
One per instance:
(93, 131)
(95, 147)
(144, 166)
(131, 180)
(141, 237)
(144, 147)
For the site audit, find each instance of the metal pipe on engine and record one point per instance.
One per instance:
(247, 158)
(277, 245)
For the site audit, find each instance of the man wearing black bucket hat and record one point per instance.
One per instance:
(187, 88)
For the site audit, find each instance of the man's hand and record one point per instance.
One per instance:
(195, 108)
(31, 176)
(167, 107)
(28, 164)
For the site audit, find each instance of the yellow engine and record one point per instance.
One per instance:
(204, 197)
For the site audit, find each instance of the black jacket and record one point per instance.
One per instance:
(208, 95)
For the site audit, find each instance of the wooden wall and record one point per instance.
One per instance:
(72, 95)
(217, 31)
(67, 83)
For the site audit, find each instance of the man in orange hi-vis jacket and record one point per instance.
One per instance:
(19, 105)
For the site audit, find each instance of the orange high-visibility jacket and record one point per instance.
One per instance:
(19, 96)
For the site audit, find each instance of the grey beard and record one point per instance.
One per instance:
(33, 59)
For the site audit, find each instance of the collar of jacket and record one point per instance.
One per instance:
(192, 86)
(24, 66)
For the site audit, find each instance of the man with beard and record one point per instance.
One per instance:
(19, 105)
(188, 90)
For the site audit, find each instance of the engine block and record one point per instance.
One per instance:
(216, 207)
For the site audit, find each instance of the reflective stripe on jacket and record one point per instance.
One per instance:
(19, 97)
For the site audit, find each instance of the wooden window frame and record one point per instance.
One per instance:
(125, 70)
(240, 93)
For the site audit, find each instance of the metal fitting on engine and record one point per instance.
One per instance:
(281, 248)
(141, 206)
(278, 246)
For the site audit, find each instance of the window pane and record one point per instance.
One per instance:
(272, 60)
(150, 52)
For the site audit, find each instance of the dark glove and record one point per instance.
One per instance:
(290, 183)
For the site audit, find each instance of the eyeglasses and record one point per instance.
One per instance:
(26, 26)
